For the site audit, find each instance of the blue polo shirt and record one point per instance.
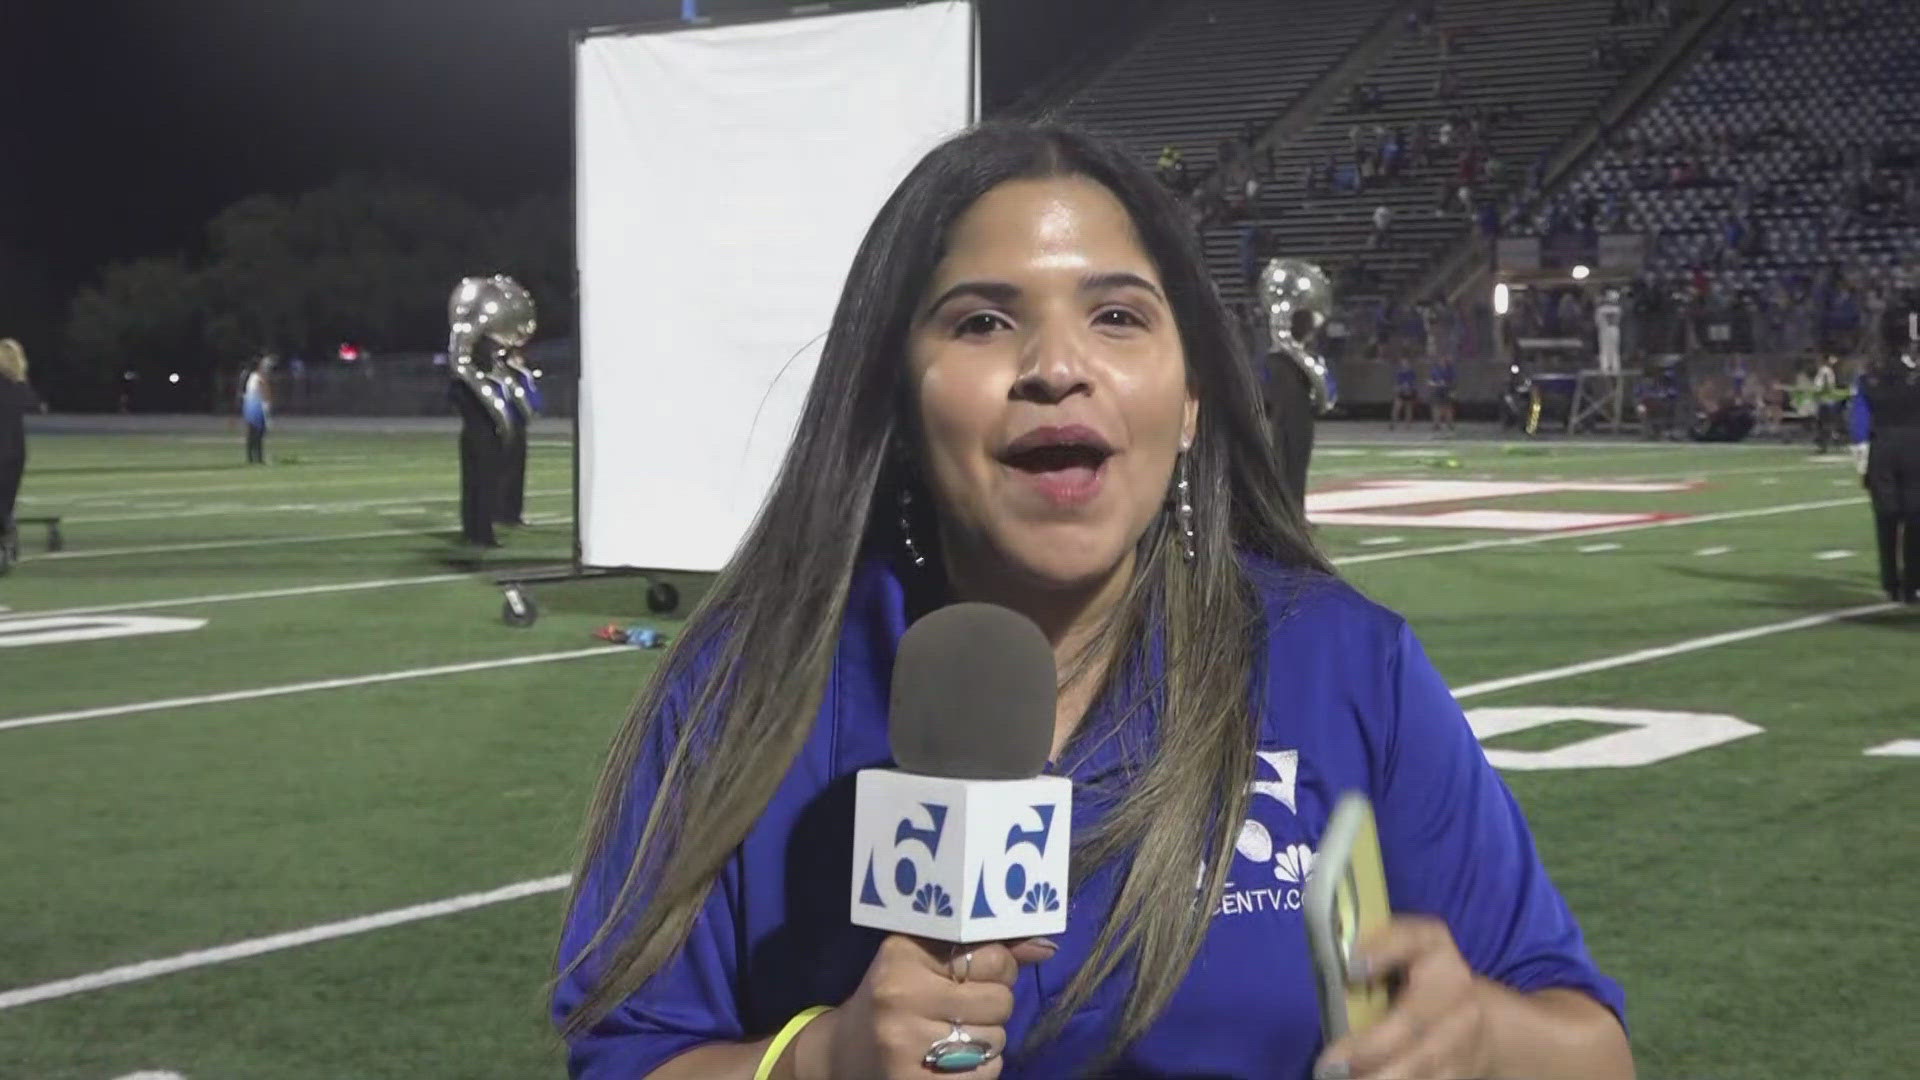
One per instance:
(1345, 699)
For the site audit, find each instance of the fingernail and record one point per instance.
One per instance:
(1358, 970)
(1332, 1070)
(1046, 943)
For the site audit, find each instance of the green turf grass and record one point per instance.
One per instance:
(1754, 897)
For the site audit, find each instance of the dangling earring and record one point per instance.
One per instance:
(1183, 510)
(906, 529)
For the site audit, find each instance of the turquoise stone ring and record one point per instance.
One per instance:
(957, 1053)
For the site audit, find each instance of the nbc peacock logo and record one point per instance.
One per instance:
(1293, 863)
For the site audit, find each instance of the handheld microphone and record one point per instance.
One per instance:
(964, 841)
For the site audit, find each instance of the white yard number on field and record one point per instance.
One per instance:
(1645, 736)
(1897, 748)
(61, 629)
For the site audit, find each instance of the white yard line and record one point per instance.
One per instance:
(273, 482)
(285, 689)
(381, 583)
(240, 950)
(228, 509)
(219, 545)
(259, 594)
(102, 497)
(1610, 530)
(1412, 460)
(1661, 652)
(1622, 447)
(137, 972)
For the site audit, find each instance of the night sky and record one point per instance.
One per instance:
(126, 124)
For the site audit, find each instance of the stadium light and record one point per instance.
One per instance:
(1580, 273)
(174, 378)
(1501, 298)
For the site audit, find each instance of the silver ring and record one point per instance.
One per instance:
(959, 1052)
(966, 967)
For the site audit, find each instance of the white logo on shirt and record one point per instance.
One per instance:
(1290, 864)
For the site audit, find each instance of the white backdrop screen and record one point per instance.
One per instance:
(725, 177)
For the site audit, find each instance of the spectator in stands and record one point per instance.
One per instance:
(1434, 317)
(1420, 145)
(1382, 227)
(1253, 246)
(1172, 168)
(1229, 152)
(1489, 221)
(1346, 178)
(1875, 345)
(1446, 86)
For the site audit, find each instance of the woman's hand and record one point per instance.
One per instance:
(1448, 1022)
(1438, 1026)
(908, 1001)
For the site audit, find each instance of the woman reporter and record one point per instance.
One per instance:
(1031, 395)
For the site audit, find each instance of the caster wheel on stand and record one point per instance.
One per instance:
(662, 598)
(518, 609)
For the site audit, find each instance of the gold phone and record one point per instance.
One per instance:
(1346, 899)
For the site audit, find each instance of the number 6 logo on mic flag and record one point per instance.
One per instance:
(960, 860)
(905, 876)
(1024, 876)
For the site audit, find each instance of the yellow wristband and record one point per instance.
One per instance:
(781, 1041)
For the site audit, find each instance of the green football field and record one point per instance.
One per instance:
(312, 714)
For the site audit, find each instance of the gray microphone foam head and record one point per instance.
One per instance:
(973, 695)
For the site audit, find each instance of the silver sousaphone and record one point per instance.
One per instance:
(500, 310)
(1298, 300)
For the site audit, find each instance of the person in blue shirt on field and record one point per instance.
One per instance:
(1406, 394)
(1440, 382)
(1028, 375)
(256, 406)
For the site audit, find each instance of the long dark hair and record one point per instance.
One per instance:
(738, 724)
